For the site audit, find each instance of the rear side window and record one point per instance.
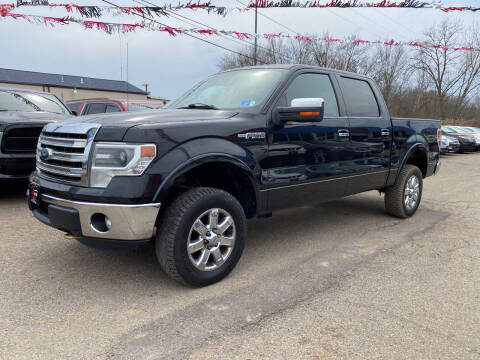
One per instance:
(359, 97)
(313, 86)
(74, 107)
(96, 108)
(112, 108)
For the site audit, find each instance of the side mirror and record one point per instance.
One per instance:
(74, 112)
(301, 110)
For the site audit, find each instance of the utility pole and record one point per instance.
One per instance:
(146, 88)
(256, 31)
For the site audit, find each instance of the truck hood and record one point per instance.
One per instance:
(161, 116)
(115, 126)
(21, 117)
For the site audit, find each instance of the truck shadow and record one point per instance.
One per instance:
(10, 189)
(100, 268)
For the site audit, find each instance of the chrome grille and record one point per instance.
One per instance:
(63, 151)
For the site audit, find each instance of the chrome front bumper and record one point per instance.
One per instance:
(128, 222)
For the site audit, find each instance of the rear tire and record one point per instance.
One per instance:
(403, 199)
(201, 236)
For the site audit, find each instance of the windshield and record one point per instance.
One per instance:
(232, 90)
(26, 101)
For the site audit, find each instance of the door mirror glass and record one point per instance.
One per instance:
(301, 110)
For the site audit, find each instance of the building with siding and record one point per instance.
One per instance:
(68, 87)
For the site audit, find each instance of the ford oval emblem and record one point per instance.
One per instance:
(45, 154)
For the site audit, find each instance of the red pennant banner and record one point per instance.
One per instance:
(98, 11)
(152, 25)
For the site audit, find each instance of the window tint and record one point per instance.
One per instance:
(359, 98)
(112, 108)
(96, 108)
(313, 86)
(74, 106)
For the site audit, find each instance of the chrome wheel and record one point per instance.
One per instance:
(211, 239)
(411, 193)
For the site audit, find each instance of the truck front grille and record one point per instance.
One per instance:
(21, 139)
(63, 151)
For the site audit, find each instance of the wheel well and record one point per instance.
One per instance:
(220, 175)
(419, 159)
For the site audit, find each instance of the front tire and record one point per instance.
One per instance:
(403, 199)
(201, 236)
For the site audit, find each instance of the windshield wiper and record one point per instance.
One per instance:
(199, 106)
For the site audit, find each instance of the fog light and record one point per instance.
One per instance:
(100, 222)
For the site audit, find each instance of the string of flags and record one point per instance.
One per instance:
(152, 25)
(98, 11)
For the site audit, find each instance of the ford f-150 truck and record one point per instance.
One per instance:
(241, 144)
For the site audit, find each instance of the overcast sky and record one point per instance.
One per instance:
(172, 65)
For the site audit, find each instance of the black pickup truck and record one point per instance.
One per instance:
(241, 144)
(23, 114)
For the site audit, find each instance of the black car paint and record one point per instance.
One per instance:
(19, 165)
(282, 173)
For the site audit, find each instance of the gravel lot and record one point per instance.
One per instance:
(336, 280)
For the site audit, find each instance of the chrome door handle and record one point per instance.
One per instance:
(343, 133)
(385, 132)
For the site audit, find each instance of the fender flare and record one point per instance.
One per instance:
(417, 146)
(201, 159)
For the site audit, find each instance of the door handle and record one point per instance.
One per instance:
(385, 132)
(343, 133)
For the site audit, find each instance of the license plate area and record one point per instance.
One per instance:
(34, 194)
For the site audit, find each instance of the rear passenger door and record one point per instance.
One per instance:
(370, 135)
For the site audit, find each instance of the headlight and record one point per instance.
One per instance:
(118, 159)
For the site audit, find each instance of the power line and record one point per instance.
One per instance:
(192, 36)
(374, 22)
(272, 20)
(228, 37)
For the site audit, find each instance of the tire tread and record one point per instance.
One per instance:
(394, 194)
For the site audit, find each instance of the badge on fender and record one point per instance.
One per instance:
(252, 135)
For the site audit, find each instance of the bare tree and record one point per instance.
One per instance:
(390, 69)
(440, 62)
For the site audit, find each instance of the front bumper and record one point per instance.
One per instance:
(16, 166)
(128, 222)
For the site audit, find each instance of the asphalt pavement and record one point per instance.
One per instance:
(339, 280)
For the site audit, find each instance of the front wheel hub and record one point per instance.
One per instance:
(211, 239)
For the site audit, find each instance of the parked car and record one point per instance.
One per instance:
(449, 144)
(191, 174)
(467, 141)
(476, 134)
(103, 105)
(23, 113)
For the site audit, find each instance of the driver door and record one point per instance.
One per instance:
(305, 161)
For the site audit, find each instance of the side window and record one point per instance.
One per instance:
(112, 108)
(313, 86)
(96, 108)
(359, 97)
(73, 107)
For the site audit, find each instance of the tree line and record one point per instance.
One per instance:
(427, 82)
